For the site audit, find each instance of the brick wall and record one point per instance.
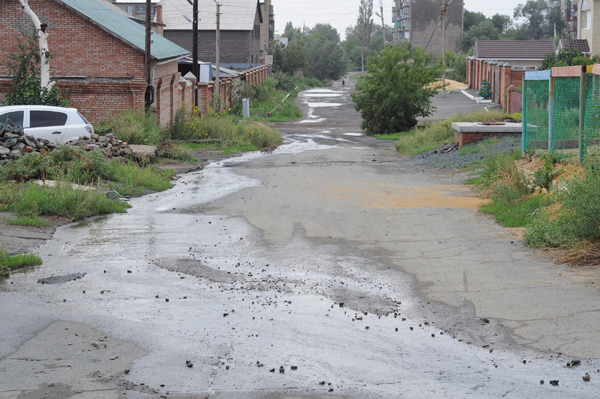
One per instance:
(254, 75)
(103, 74)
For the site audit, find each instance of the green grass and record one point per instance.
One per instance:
(577, 220)
(393, 136)
(512, 204)
(134, 127)
(70, 166)
(357, 76)
(436, 134)
(469, 149)
(131, 179)
(224, 130)
(87, 168)
(516, 213)
(29, 201)
(28, 221)
(13, 262)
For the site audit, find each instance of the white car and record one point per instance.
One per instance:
(56, 124)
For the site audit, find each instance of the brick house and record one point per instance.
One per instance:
(98, 56)
(240, 29)
(504, 62)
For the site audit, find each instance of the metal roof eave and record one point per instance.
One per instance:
(122, 38)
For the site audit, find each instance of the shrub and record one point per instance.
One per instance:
(134, 127)
(396, 90)
(222, 129)
(577, 220)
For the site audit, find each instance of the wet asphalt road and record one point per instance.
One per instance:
(330, 268)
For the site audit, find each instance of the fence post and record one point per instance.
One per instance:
(551, 113)
(582, 98)
(524, 115)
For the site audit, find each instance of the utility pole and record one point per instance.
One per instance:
(444, 5)
(217, 86)
(382, 21)
(195, 70)
(149, 89)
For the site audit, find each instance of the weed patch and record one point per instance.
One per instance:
(134, 127)
(12, 262)
(29, 201)
(577, 220)
(222, 131)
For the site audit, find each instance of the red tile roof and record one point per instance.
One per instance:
(513, 49)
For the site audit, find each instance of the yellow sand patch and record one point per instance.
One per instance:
(450, 84)
(392, 196)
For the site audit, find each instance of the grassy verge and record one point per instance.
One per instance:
(222, 130)
(13, 262)
(512, 202)
(436, 134)
(266, 96)
(29, 201)
(567, 217)
(82, 179)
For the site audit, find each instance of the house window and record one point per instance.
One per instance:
(586, 19)
(129, 10)
(140, 9)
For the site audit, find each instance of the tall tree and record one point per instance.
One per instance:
(472, 18)
(288, 26)
(328, 31)
(325, 58)
(42, 34)
(483, 31)
(501, 22)
(539, 18)
(364, 27)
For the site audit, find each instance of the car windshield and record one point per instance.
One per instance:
(16, 117)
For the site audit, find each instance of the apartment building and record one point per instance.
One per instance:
(588, 26)
(420, 22)
(267, 27)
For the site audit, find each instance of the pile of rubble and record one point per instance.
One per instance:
(14, 142)
(110, 146)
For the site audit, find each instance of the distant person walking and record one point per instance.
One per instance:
(343, 83)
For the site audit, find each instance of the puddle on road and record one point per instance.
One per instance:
(389, 196)
(326, 91)
(326, 95)
(313, 120)
(319, 105)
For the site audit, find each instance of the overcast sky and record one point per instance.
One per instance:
(343, 13)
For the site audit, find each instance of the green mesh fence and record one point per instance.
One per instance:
(591, 129)
(536, 115)
(565, 123)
